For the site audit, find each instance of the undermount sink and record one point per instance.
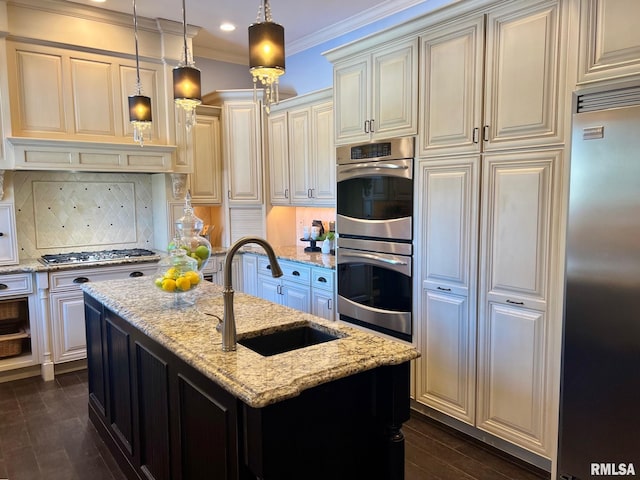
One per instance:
(281, 341)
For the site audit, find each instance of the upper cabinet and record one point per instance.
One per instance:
(206, 180)
(242, 144)
(504, 98)
(375, 93)
(302, 152)
(609, 40)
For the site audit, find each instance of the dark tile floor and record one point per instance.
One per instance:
(45, 434)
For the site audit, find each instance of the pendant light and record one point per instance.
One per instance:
(186, 80)
(139, 105)
(266, 54)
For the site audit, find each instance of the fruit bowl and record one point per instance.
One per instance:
(177, 274)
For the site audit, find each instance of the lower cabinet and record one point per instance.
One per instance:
(133, 382)
(293, 289)
(164, 420)
(67, 305)
(322, 293)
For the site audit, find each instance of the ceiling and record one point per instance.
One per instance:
(307, 23)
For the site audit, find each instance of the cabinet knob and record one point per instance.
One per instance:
(80, 280)
(136, 274)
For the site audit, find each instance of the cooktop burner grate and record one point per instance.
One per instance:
(98, 256)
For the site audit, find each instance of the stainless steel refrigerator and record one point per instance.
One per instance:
(600, 388)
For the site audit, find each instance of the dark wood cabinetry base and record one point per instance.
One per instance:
(162, 419)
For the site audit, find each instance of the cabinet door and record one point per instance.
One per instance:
(351, 99)
(446, 330)
(322, 304)
(448, 220)
(522, 107)
(269, 288)
(300, 155)
(516, 227)
(394, 72)
(278, 158)
(206, 182)
(512, 396)
(250, 274)
(243, 155)
(445, 374)
(323, 155)
(609, 40)
(451, 88)
(8, 235)
(296, 296)
(67, 325)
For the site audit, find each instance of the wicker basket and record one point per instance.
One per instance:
(11, 345)
(9, 309)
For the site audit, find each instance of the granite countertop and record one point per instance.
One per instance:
(292, 253)
(296, 254)
(256, 380)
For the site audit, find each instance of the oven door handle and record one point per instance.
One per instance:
(377, 166)
(378, 258)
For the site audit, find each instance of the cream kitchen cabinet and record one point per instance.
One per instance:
(323, 293)
(8, 235)
(206, 180)
(302, 152)
(61, 99)
(242, 145)
(293, 289)
(487, 346)
(375, 93)
(609, 41)
(446, 333)
(494, 87)
(67, 305)
(514, 331)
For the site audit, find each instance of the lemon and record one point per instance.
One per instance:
(183, 283)
(158, 282)
(193, 277)
(169, 284)
(171, 273)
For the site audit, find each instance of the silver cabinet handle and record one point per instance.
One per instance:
(329, 304)
(476, 130)
(366, 126)
(371, 122)
(485, 133)
(286, 193)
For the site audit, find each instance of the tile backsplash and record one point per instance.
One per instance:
(59, 212)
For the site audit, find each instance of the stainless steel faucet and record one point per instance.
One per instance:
(229, 319)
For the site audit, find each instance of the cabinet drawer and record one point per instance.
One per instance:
(322, 278)
(292, 271)
(64, 280)
(17, 284)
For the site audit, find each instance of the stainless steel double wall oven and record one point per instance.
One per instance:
(375, 233)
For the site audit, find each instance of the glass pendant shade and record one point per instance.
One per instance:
(186, 86)
(140, 117)
(266, 56)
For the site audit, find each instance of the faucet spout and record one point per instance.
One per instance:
(228, 320)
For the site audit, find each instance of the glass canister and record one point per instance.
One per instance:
(188, 238)
(177, 274)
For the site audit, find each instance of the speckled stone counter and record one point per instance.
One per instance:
(297, 254)
(258, 381)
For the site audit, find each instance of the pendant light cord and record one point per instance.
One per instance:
(135, 34)
(184, 34)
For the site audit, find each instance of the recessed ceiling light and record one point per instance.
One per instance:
(227, 27)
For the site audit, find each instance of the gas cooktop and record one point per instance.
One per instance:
(98, 256)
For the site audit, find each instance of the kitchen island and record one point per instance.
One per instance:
(170, 404)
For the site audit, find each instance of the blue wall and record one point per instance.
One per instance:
(309, 70)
